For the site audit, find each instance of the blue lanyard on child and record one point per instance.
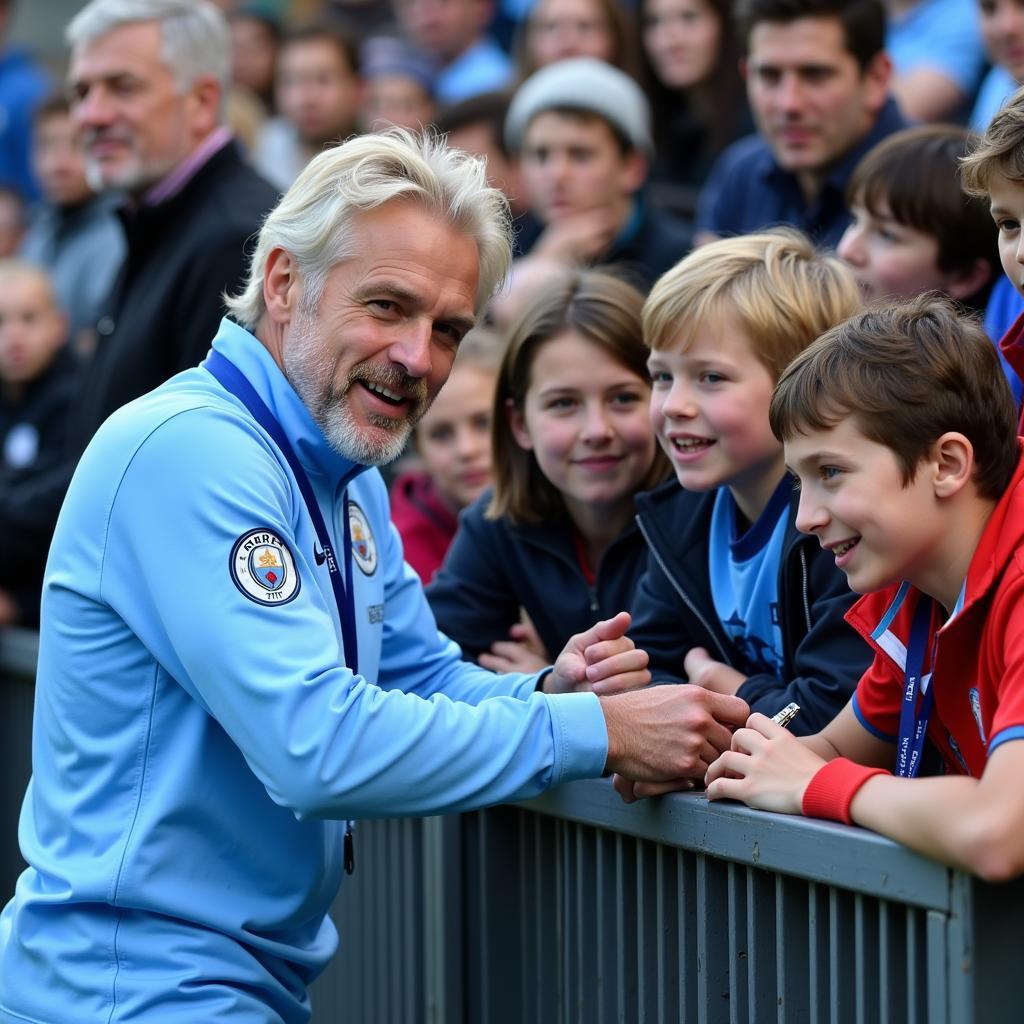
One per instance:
(234, 381)
(914, 720)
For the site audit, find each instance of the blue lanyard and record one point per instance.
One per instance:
(914, 720)
(234, 380)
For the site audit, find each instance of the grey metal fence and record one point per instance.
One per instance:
(576, 909)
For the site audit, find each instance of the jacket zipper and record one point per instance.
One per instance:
(679, 590)
(803, 572)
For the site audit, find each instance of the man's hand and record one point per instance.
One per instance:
(702, 670)
(668, 734)
(602, 659)
(767, 767)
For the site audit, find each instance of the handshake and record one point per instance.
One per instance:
(660, 738)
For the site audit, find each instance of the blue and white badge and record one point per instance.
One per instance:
(364, 547)
(263, 568)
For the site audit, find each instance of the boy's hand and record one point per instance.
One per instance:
(702, 670)
(602, 659)
(767, 768)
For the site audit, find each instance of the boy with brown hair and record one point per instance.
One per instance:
(899, 425)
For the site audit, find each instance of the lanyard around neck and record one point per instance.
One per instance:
(233, 380)
(914, 719)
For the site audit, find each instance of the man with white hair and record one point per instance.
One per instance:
(234, 658)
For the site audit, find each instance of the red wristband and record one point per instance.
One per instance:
(831, 791)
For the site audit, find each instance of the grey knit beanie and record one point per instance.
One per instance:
(587, 84)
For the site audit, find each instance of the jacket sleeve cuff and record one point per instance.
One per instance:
(831, 791)
(580, 736)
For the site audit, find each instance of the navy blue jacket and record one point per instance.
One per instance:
(494, 568)
(748, 191)
(823, 657)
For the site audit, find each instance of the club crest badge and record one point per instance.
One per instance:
(262, 567)
(364, 547)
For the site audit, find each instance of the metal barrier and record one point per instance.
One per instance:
(576, 908)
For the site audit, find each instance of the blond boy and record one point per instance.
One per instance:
(734, 598)
(899, 425)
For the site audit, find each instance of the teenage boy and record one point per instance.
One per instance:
(914, 229)
(317, 89)
(734, 598)
(995, 170)
(900, 427)
(582, 131)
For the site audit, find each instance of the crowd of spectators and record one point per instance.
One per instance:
(626, 136)
(726, 215)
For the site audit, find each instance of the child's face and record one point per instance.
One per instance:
(1006, 202)
(1002, 28)
(572, 165)
(32, 329)
(454, 436)
(853, 499)
(585, 418)
(709, 408)
(890, 259)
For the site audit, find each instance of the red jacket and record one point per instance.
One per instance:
(978, 673)
(425, 524)
(1012, 346)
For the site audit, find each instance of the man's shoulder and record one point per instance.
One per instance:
(225, 199)
(240, 195)
(745, 159)
(189, 411)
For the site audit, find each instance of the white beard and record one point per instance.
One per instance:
(309, 369)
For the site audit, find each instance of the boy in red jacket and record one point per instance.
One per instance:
(899, 425)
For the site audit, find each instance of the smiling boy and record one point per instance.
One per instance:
(733, 597)
(899, 426)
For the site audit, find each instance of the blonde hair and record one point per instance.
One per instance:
(312, 220)
(775, 282)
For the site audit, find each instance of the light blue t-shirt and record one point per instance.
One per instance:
(999, 85)
(944, 35)
(484, 67)
(744, 573)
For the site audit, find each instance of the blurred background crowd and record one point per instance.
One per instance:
(624, 133)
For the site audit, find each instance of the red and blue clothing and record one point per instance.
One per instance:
(977, 669)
